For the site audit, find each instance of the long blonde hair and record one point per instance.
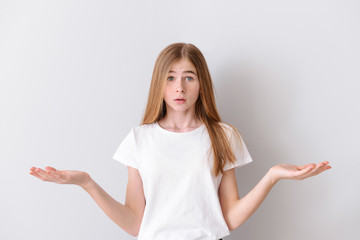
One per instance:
(205, 108)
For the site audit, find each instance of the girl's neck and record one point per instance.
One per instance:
(182, 123)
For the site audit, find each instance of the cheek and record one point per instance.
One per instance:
(167, 91)
(197, 89)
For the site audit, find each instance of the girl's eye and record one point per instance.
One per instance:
(189, 78)
(170, 78)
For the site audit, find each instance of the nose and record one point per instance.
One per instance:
(180, 90)
(180, 86)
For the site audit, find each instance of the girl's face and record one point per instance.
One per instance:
(182, 87)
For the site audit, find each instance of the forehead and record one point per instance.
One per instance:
(182, 65)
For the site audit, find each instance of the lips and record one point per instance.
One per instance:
(180, 100)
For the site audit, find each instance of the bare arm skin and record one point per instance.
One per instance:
(128, 216)
(237, 210)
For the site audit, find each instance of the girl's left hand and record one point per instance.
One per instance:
(286, 171)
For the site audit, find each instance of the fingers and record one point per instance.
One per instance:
(324, 169)
(309, 165)
(305, 170)
(50, 168)
(319, 168)
(38, 172)
(323, 166)
(49, 175)
(34, 173)
(53, 172)
(42, 173)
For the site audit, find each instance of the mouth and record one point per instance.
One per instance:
(180, 100)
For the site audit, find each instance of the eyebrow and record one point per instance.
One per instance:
(188, 71)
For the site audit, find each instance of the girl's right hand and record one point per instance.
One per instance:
(62, 177)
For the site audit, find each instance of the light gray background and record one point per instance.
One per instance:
(75, 78)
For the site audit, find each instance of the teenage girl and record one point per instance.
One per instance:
(181, 161)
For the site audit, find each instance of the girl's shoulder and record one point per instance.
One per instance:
(228, 128)
(225, 125)
(144, 128)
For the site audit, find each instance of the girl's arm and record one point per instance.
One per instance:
(236, 211)
(128, 216)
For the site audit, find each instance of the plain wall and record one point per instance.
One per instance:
(74, 78)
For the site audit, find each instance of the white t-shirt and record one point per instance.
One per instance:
(181, 192)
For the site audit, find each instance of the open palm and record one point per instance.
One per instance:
(51, 174)
(287, 171)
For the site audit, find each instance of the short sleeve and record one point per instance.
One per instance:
(126, 151)
(241, 153)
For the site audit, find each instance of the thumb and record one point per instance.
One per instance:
(306, 169)
(50, 168)
(311, 165)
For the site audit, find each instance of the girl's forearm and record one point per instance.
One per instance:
(122, 215)
(243, 208)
